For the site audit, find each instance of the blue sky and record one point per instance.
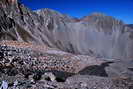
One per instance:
(120, 9)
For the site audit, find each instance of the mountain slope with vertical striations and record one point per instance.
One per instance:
(95, 35)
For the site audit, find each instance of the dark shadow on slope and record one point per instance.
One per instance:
(97, 70)
(131, 69)
(60, 75)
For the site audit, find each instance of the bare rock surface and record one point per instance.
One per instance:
(94, 82)
(46, 60)
(45, 49)
(95, 35)
(22, 66)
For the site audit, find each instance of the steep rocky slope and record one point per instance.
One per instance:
(26, 66)
(96, 35)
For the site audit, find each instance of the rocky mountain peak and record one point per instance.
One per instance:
(12, 1)
(98, 14)
(91, 35)
(93, 15)
(101, 18)
(46, 11)
(4, 3)
(49, 13)
(103, 21)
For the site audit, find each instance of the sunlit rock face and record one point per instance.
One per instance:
(96, 35)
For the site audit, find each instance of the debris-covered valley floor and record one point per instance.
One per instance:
(27, 66)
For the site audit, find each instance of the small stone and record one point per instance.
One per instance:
(48, 86)
(31, 78)
(51, 76)
(36, 77)
(10, 59)
(15, 83)
(4, 85)
(9, 65)
(83, 84)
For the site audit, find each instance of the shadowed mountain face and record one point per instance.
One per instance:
(96, 35)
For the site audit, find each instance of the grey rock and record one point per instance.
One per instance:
(96, 35)
(4, 85)
(94, 82)
(49, 75)
(94, 52)
(48, 59)
(56, 69)
(120, 68)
